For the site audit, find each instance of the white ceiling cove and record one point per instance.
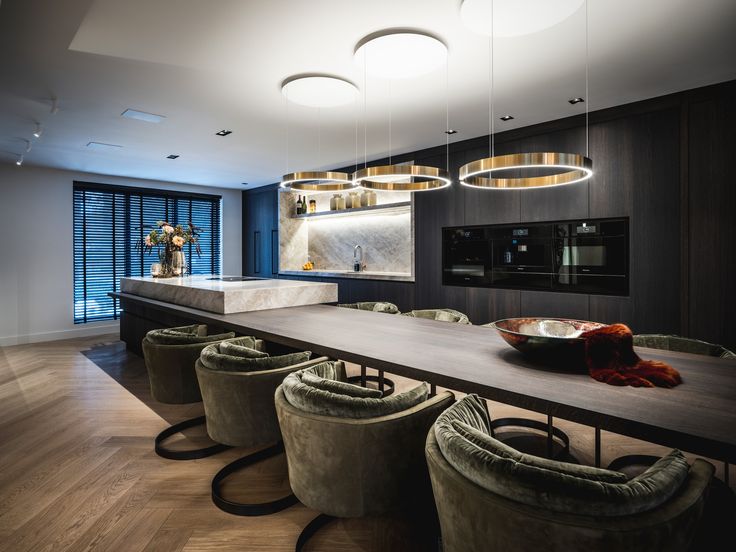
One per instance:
(212, 65)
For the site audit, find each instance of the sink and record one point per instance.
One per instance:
(235, 278)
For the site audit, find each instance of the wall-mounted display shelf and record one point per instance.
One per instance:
(385, 208)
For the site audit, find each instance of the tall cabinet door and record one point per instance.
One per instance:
(260, 233)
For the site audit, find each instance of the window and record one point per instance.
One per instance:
(109, 223)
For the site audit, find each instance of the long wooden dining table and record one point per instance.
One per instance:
(698, 416)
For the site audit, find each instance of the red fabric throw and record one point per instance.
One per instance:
(610, 356)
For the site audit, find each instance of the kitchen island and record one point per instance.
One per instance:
(214, 294)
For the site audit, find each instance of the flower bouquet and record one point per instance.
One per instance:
(169, 239)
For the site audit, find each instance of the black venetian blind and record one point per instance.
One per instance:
(109, 222)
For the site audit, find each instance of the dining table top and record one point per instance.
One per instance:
(698, 416)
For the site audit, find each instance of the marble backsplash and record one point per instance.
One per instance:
(387, 239)
(384, 239)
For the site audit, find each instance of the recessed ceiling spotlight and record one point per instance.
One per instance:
(318, 90)
(223, 132)
(101, 146)
(172, 156)
(400, 53)
(575, 101)
(38, 132)
(142, 116)
(506, 117)
(19, 162)
(450, 131)
(515, 17)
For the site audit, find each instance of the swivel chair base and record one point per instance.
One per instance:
(239, 508)
(185, 454)
(384, 384)
(555, 444)
(311, 529)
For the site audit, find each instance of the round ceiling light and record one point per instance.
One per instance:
(318, 90)
(400, 53)
(402, 178)
(515, 17)
(566, 168)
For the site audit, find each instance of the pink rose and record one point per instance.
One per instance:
(168, 229)
(178, 241)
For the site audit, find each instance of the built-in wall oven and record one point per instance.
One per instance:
(466, 256)
(592, 256)
(589, 256)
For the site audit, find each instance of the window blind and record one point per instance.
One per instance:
(109, 224)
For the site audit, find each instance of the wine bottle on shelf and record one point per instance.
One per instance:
(299, 205)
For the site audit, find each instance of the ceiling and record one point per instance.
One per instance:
(208, 66)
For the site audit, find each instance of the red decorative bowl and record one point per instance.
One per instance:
(550, 341)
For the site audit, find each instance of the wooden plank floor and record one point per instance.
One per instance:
(78, 471)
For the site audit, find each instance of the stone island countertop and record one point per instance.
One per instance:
(231, 294)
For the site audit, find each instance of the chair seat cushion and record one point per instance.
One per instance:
(339, 387)
(441, 315)
(318, 400)
(244, 359)
(185, 335)
(375, 306)
(682, 345)
(551, 485)
(246, 347)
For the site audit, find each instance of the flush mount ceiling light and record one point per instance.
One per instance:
(318, 90)
(142, 116)
(574, 101)
(506, 117)
(523, 171)
(515, 17)
(223, 133)
(172, 156)
(401, 53)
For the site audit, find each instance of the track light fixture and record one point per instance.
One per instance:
(38, 132)
(19, 162)
(28, 145)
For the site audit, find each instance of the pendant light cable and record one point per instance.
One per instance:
(587, 92)
(493, 82)
(447, 114)
(365, 108)
(390, 105)
(286, 98)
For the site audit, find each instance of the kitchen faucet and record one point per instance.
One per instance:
(357, 260)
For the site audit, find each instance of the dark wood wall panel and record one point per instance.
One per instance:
(555, 305)
(712, 214)
(432, 211)
(487, 305)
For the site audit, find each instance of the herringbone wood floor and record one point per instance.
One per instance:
(78, 471)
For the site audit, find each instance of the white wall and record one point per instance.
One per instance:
(36, 262)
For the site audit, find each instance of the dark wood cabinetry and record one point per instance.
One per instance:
(261, 233)
(664, 163)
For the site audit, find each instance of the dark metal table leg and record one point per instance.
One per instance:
(363, 381)
(550, 436)
(597, 447)
(185, 454)
(239, 508)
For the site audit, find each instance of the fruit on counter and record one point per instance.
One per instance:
(309, 265)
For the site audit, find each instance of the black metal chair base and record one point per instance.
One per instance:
(555, 444)
(311, 529)
(639, 462)
(239, 508)
(191, 454)
(389, 385)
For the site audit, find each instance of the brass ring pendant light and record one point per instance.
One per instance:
(570, 167)
(317, 181)
(576, 169)
(391, 177)
(402, 178)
